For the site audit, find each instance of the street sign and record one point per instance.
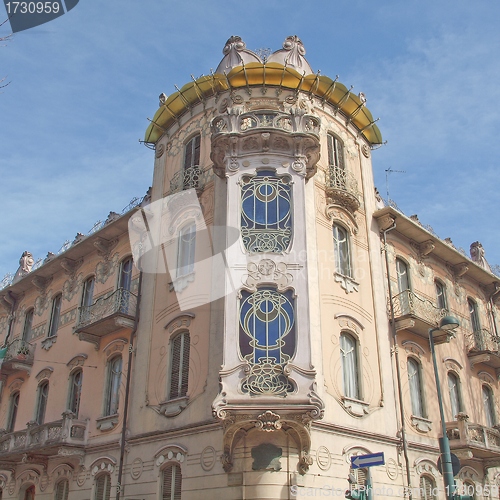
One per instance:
(361, 461)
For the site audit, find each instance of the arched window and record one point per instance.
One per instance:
(266, 216)
(267, 338)
(28, 323)
(442, 303)
(179, 365)
(342, 251)
(88, 292)
(186, 250)
(350, 368)
(428, 489)
(171, 485)
(102, 487)
(41, 404)
(415, 382)
(13, 406)
(112, 395)
(191, 172)
(489, 406)
(75, 391)
(61, 490)
(29, 494)
(455, 394)
(55, 315)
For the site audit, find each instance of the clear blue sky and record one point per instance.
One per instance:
(83, 86)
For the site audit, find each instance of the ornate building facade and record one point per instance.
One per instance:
(260, 318)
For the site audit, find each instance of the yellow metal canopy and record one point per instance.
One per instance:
(258, 74)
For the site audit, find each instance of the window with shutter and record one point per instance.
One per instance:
(427, 488)
(179, 372)
(172, 483)
(103, 487)
(62, 490)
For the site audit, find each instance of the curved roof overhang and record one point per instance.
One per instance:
(272, 75)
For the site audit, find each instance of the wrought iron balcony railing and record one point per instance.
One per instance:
(482, 441)
(190, 178)
(105, 314)
(483, 347)
(44, 438)
(342, 187)
(19, 355)
(421, 314)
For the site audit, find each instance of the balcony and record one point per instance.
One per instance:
(106, 315)
(483, 347)
(46, 439)
(473, 440)
(190, 178)
(418, 315)
(342, 188)
(19, 356)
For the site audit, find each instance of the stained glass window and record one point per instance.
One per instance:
(266, 220)
(267, 338)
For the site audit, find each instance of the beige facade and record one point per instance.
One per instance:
(256, 317)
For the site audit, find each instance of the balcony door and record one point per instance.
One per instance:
(124, 284)
(403, 286)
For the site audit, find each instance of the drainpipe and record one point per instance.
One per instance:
(127, 390)
(492, 307)
(398, 369)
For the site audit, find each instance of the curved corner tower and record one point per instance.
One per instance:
(264, 342)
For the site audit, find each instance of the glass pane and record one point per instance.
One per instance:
(126, 274)
(28, 321)
(441, 296)
(88, 292)
(349, 366)
(415, 388)
(341, 247)
(114, 386)
(187, 249)
(266, 220)
(488, 406)
(454, 394)
(55, 315)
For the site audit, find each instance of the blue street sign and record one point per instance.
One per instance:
(361, 461)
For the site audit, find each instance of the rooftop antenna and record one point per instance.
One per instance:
(387, 172)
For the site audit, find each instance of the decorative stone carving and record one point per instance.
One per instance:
(25, 265)
(41, 284)
(208, 458)
(477, 255)
(268, 421)
(421, 424)
(292, 55)
(267, 271)
(104, 247)
(104, 269)
(170, 454)
(77, 360)
(235, 54)
(103, 464)
(386, 222)
(347, 283)
(71, 266)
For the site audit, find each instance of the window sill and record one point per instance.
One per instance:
(355, 407)
(180, 283)
(346, 282)
(173, 407)
(48, 342)
(421, 424)
(108, 422)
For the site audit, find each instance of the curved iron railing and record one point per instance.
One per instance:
(483, 340)
(342, 186)
(408, 302)
(120, 301)
(190, 178)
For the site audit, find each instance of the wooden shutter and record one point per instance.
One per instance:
(103, 487)
(179, 373)
(172, 483)
(62, 490)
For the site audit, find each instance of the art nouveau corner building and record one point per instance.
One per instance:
(266, 320)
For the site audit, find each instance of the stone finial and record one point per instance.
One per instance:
(25, 265)
(292, 55)
(236, 54)
(477, 255)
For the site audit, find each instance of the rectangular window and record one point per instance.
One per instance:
(28, 322)
(55, 315)
(349, 358)
(43, 395)
(179, 368)
(14, 404)
(113, 386)
(75, 392)
(415, 382)
(172, 483)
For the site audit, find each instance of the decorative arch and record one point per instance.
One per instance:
(180, 321)
(170, 453)
(103, 464)
(16, 384)
(342, 216)
(44, 373)
(77, 361)
(353, 450)
(486, 378)
(350, 323)
(413, 348)
(453, 365)
(424, 465)
(114, 347)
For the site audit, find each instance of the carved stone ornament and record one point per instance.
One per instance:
(170, 454)
(235, 54)
(267, 271)
(41, 284)
(477, 255)
(103, 464)
(347, 283)
(71, 266)
(104, 247)
(25, 265)
(292, 55)
(160, 149)
(365, 150)
(268, 421)
(386, 222)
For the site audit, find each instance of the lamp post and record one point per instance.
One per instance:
(447, 324)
